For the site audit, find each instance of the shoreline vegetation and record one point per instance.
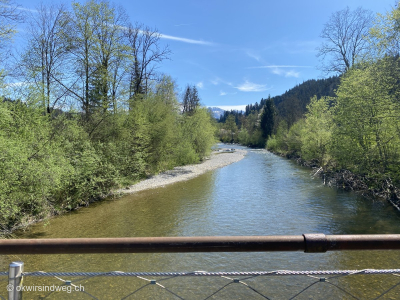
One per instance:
(349, 181)
(346, 127)
(218, 159)
(90, 112)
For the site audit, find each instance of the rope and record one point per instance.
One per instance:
(203, 273)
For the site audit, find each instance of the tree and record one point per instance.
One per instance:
(44, 61)
(366, 133)
(317, 131)
(145, 53)
(96, 45)
(385, 34)
(9, 15)
(191, 99)
(268, 118)
(345, 39)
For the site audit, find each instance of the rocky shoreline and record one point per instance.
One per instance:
(218, 159)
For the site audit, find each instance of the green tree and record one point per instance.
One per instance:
(268, 118)
(384, 36)
(366, 134)
(317, 131)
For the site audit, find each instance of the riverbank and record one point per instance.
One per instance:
(344, 179)
(218, 159)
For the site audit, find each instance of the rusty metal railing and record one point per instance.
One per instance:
(310, 243)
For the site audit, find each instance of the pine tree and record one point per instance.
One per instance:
(268, 118)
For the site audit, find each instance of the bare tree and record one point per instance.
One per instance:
(145, 53)
(44, 60)
(9, 15)
(191, 99)
(345, 39)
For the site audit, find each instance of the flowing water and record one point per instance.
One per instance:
(263, 194)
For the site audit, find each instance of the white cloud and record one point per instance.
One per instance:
(222, 93)
(17, 84)
(248, 86)
(280, 71)
(279, 66)
(292, 73)
(253, 55)
(185, 40)
(20, 8)
(218, 80)
(175, 38)
(200, 84)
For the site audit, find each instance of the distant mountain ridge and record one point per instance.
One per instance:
(216, 112)
(292, 104)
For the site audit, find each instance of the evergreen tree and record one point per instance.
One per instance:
(191, 99)
(268, 118)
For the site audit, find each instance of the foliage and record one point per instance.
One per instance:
(366, 135)
(317, 130)
(267, 118)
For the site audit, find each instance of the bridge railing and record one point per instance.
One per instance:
(224, 284)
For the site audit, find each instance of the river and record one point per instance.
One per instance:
(263, 194)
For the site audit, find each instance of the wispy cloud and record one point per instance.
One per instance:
(248, 86)
(218, 80)
(17, 84)
(185, 40)
(173, 38)
(222, 93)
(20, 8)
(253, 55)
(200, 85)
(279, 66)
(281, 71)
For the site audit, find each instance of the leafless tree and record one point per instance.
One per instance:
(145, 53)
(10, 15)
(191, 99)
(44, 60)
(345, 39)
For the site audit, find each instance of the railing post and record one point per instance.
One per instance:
(15, 280)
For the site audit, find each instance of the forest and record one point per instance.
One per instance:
(348, 125)
(87, 111)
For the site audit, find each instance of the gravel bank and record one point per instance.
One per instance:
(217, 160)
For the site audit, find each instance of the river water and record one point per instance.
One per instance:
(263, 194)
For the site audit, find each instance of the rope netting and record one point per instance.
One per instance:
(279, 284)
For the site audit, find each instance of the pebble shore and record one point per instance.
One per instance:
(218, 159)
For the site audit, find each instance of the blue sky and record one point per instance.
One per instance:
(238, 52)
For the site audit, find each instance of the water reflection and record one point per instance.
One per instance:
(261, 195)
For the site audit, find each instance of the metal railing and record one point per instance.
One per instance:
(310, 243)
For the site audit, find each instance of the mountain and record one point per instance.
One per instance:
(216, 112)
